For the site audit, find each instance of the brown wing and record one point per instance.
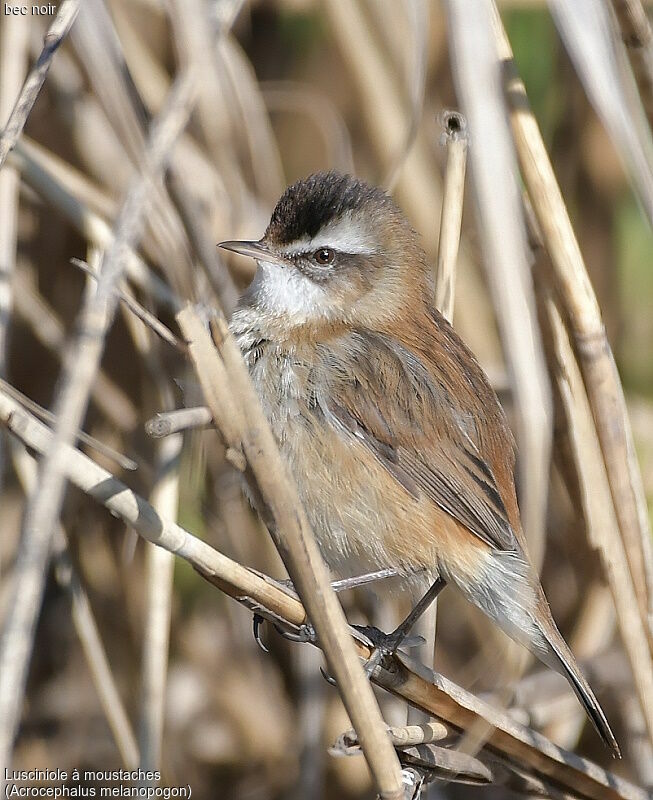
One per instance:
(400, 410)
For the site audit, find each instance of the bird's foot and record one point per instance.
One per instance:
(306, 632)
(384, 644)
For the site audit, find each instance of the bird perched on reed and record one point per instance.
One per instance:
(401, 452)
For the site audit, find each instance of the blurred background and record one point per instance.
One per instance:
(289, 87)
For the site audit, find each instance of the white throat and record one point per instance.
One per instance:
(283, 291)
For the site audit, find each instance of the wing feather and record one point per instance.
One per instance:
(411, 424)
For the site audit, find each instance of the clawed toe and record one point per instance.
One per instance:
(328, 678)
(257, 621)
(304, 633)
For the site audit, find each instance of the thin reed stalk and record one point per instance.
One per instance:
(583, 314)
(281, 510)
(159, 573)
(43, 508)
(14, 44)
(637, 35)
(57, 32)
(502, 231)
(455, 140)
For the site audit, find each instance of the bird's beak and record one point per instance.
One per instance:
(255, 250)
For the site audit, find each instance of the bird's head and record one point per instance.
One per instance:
(336, 251)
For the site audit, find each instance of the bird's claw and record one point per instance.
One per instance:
(257, 621)
(328, 678)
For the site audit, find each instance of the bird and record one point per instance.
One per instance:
(400, 449)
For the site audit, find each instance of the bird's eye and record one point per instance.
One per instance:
(324, 255)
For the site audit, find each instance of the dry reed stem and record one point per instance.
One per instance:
(593, 350)
(586, 482)
(77, 183)
(159, 564)
(405, 678)
(404, 736)
(453, 197)
(588, 33)
(14, 51)
(110, 162)
(106, 70)
(149, 75)
(201, 241)
(284, 516)
(165, 423)
(432, 762)
(85, 625)
(221, 403)
(638, 37)
(494, 173)
(159, 573)
(56, 33)
(312, 697)
(83, 360)
(455, 140)
(597, 508)
(96, 657)
(126, 116)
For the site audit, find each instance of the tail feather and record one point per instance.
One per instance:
(567, 666)
(510, 594)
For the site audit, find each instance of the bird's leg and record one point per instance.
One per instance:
(306, 633)
(362, 580)
(387, 643)
(345, 584)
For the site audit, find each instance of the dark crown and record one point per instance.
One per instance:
(308, 205)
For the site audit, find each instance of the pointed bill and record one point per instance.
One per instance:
(254, 250)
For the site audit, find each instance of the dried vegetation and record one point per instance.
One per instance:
(137, 134)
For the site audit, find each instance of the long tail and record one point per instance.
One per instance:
(510, 594)
(567, 666)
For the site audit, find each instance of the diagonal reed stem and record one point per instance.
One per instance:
(282, 512)
(592, 347)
